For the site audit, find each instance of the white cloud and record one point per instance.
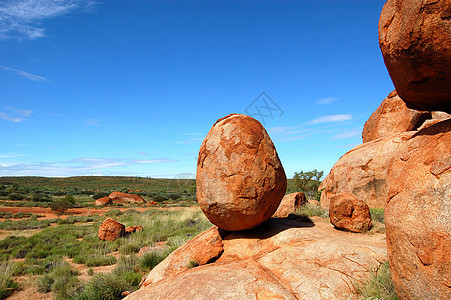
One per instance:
(79, 166)
(15, 115)
(328, 100)
(22, 19)
(26, 74)
(348, 134)
(331, 119)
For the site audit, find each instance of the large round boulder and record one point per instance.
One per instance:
(415, 39)
(418, 215)
(240, 179)
(392, 117)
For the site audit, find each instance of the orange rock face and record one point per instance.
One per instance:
(346, 212)
(415, 39)
(418, 215)
(110, 230)
(392, 117)
(131, 229)
(362, 171)
(202, 249)
(240, 179)
(281, 259)
(103, 201)
(124, 197)
(289, 204)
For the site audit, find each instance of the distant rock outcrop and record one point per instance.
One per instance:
(110, 230)
(346, 212)
(280, 259)
(131, 229)
(119, 197)
(391, 118)
(240, 179)
(289, 204)
(103, 201)
(415, 39)
(418, 215)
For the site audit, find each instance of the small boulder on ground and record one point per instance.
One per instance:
(110, 230)
(392, 117)
(103, 201)
(289, 204)
(346, 212)
(124, 197)
(131, 229)
(240, 179)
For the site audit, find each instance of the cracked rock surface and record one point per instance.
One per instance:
(280, 259)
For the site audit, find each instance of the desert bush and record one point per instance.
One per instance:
(377, 214)
(113, 213)
(16, 196)
(308, 182)
(310, 210)
(60, 278)
(99, 195)
(159, 198)
(7, 284)
(152, 258)
(129, 249)
(41, 197)
(174, 196)
(380, 285)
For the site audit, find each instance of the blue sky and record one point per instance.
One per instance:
(133, 87)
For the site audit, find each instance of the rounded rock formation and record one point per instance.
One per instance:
(418, 215)
(392, 117)
(119, 197)
(415, 39)
(110, 230)
(289, 204)
(347, 212)
(103, 201)
(240, 179)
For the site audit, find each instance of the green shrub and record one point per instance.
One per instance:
(45, 283)
(41, 197)
(7, 284)
(113, 213)
(310, 210)
(377, 214)
(159, 198)
(308, 182)
(99, 195)
(104, 286)
(16, 196)
(129, 249)
(152, 258)
(380, 285)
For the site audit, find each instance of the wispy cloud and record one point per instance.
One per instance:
(331, 119)
(25, 74)
(328, 100)
(11, 155)
(79, 166)
(92, 122)
(22, 19)
(15, 115)
(348, 133)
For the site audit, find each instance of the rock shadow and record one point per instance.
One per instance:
(269, 228)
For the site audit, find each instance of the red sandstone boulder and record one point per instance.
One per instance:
(415, 39)
(240, 179)
(281, 259)
(289, 204)
(362, 171)
(131, 229)
(110, 230)
(346, 212)
(391, 118)
(418, 215)
(103, 201)
(124, 197)
(202, 249)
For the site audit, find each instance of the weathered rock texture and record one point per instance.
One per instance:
(346, 212)
(103, 201)
(362, 171)
(415, 39)
(119, 197)
(280, 259)
(204, 248)
(240, 180)
(289, 204)
(110, 230)
(418, 215)
(392, 117)
(131, 229)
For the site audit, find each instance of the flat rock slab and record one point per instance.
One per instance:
(280, 259)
